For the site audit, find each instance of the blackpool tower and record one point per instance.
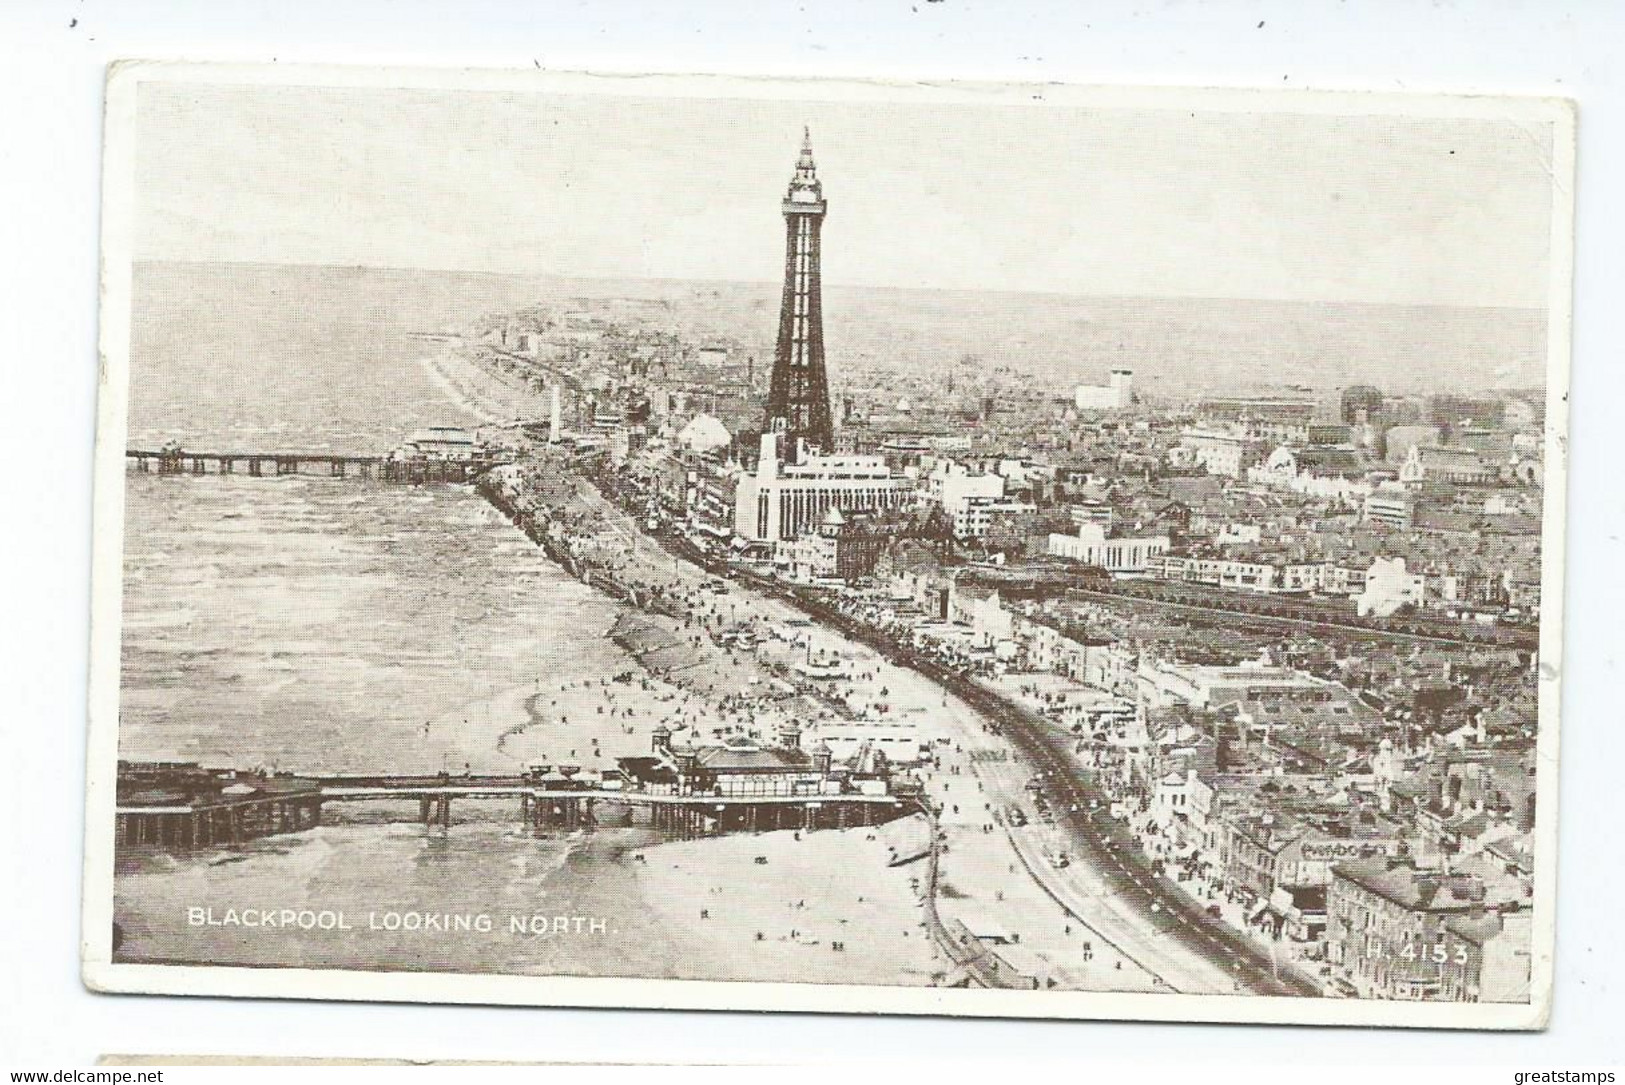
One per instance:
(798, 399)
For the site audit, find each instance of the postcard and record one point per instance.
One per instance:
(1128, 586)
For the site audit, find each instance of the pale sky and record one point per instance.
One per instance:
(982, 197)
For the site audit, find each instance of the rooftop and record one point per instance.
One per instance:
(1412, 889)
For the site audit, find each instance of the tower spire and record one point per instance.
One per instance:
(806, 174)
(798, 399)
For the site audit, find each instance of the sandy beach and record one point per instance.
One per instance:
(987, 875)
(823, 908)
(492, 398)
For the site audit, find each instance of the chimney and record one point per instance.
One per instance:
(1526, 816)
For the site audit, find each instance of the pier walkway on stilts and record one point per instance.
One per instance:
(188, 807)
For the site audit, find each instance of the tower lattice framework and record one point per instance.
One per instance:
(798, 399)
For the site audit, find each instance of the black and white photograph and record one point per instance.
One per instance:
(978, 549)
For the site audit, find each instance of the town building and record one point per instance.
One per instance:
(1207, 686)
(781, 501)
(1391, 505)
(1090, 511)
(979, 515)
(1496, 968)
(981, 610)
(1117, 555)
(1360, 403)
(1398, 932)
(1454, 409)
(1328, 472)
(1388, 587)
(1250, 849)
(841, 549)
(1228, 452)
(1399, 440)
(1455, 464)
(1116, 395)
(1261, 408)
(705, 433)
(972, 501)
(1048, 650)
(709, 498)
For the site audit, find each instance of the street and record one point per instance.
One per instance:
(1112, 887)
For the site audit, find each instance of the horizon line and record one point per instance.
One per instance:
(775, 285)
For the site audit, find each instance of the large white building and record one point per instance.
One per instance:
(785, 500)
(1389, 586)
(1228, 452)
(979, 514)
(1116, 395)
(705, 433)
(1165, 682)
(1092, 546)
(972, 500)
(958, 489)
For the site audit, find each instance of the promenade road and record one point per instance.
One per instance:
(1135, 909)
(1108, 887)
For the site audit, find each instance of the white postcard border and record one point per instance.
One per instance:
(101, 974)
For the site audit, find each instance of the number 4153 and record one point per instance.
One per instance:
(1438, 952)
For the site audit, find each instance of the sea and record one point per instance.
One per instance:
(337, 625)
(316, 624)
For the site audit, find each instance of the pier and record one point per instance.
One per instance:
(414, 470)
(179, 805)
(184, 807)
